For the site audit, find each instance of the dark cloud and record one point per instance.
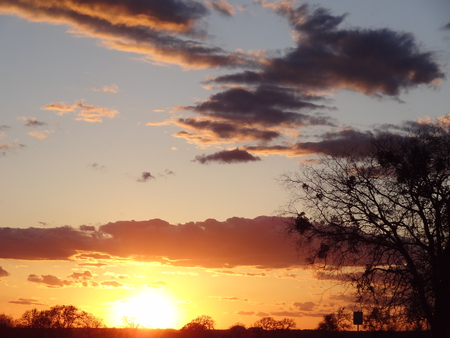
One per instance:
(4, 273)
(163, 30)
(333, 142)
(87, 228)
(370, 61)
(208, 131)
(306, 306)
(227, 157)
(48, 280)
(4, 127)
(265, 106)
(43, 243)
(235, 242)
(27, 301)
(145, 176)
(447, 26)
(32, 122)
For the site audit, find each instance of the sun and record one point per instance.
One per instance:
(150, 309)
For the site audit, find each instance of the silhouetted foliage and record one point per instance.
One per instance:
(382, 211)
(6, 321)
(269, 323)
(237, 330)
(61, 320)
(199, 326)
(339, 321)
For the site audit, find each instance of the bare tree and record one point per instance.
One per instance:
(378, 216)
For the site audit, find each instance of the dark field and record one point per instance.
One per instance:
(148, 333)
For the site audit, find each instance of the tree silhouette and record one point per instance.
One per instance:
(60, 318)
(201, 323)
(339, 321)
(383, 211)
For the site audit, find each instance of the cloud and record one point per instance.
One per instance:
(286, 314)
(164, 31)
(245, 313)
(7, 147)
(145, 176)
(112, 89)
(306, 306)
(112, 284)
(222, 6)
(258, 243)
(97, 167)
(326, 57)
(4, 273)
(84, 112)
(27, 301)
(41, 135)
(269, 105)
(234, 299)
(48, 280)
(159, 284)
(31, 122)
(4, 127)
(447, 26)
(227, 156)
(81, 275)
(43, 243)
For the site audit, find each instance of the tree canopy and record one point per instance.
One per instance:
(378, 216)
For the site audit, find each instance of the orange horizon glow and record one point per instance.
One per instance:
(153, 309)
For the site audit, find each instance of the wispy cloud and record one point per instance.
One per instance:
(111, 89)
(28, 301)
(83, 112)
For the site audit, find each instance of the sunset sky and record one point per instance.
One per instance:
(141, 143)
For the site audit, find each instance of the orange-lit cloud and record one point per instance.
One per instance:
(4, 273)
(222, 6)
(235, 242)
(27, 301)
(167, 31)
(84, 112)
(112, 89)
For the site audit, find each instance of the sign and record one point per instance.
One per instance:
(357, 318)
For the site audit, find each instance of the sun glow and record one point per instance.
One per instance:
(149, 309)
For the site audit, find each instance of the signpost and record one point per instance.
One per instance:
(357, 319)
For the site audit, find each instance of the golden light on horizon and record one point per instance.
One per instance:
(153, 309)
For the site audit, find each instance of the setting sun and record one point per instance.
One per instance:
(150, 309)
